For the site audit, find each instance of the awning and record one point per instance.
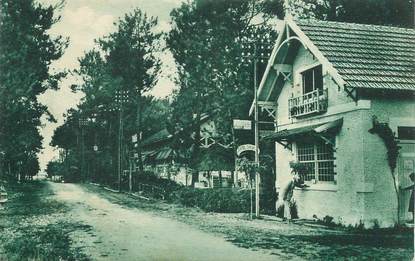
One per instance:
(148, 152)
(164, 154)
(146, 155)
(293, 134)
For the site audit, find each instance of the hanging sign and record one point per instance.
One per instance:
(245, 147)
(242, 124)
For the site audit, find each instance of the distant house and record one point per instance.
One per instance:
(326, 81)
(160, 157)
(216, 162)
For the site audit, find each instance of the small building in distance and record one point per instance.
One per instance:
(160, 158)
(215, 162)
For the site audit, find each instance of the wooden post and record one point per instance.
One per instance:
(130, 175)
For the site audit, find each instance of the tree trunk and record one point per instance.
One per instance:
(195, 177)
(220, 178)
(235, 181)
(196, 151)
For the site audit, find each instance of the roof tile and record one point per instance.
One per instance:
(366, 56)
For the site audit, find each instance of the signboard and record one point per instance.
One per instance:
(134, 138)
(242, 124)
(245, 147)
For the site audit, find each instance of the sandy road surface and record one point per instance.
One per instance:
(130, 234)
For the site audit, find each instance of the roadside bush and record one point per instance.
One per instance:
(214, 200)
(150, 178)
(222, 200)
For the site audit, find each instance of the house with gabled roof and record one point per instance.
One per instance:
(326, 82)
(160, 158)
(215, 161)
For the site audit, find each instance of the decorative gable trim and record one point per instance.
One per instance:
(308, 44)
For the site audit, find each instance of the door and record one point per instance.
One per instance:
(406, 165)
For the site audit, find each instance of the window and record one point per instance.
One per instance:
(312, 79)
(406, 133)
(319, 158)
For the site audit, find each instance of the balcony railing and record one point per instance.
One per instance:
(309, 103)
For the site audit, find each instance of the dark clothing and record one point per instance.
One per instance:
(411, 202)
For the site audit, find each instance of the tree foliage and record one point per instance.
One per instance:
(26, 53)
(127, 60)
(381, 12)
(213, 79)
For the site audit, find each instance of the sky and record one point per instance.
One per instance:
(83, 21)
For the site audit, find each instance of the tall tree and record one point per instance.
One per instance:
(211, 75)
(26, 53)
(132, 54)
(101, 78)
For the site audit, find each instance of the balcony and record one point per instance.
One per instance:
(310, 103)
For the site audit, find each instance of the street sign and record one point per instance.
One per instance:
(134, 138)
(245, 147)
(242, 124)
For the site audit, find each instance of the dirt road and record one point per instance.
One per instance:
(130, 234)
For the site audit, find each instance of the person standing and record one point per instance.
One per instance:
(286, 194)
(411, 200)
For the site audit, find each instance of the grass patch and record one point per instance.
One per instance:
(50, 242)
(30, 199)
(28, 232)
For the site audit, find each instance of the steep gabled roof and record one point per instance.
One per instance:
(157, 137)
(366, 56)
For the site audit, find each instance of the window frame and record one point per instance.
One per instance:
(404, 126)
(303, 69)
(316, 162)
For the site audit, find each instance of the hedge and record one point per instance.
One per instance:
(223, 200)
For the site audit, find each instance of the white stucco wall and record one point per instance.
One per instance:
(339, 199)
(182, 175)
(381, 204)
(364, 189)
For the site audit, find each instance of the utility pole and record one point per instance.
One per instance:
(258, 47)
(257, 177)
(82, 123)
(121, 97)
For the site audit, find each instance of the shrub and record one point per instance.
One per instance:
(223, 200)
(165, 185)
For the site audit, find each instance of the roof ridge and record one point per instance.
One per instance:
(385, 27)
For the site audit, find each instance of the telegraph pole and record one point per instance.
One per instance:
(257, 177)
(120, 97)
(82, 123)
(259, 47)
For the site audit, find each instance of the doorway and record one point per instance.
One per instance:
(406, 165)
